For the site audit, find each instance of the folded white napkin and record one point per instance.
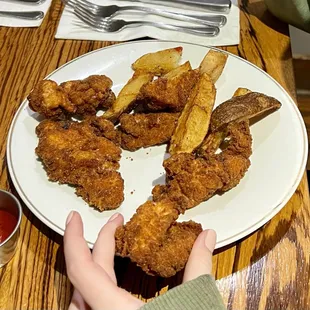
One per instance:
(71, 27)
(21, 7)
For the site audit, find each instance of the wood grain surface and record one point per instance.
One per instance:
(270, 269)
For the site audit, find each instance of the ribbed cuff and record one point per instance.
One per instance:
(200, 293)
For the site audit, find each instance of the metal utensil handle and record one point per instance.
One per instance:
(31, 15)
(28, 1)
(207, 5)
(213, 5)
(216, 20)
(203, 31)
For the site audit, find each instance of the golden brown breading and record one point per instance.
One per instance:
(174, 252)
(89, 94)
(103, 190)
(77, 154)
(197, 179)
(169, 94)
(143, 130)
(50, 100)
(152, 239)
(80, 97)
(105, 128)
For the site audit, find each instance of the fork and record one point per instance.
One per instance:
(109, 25)
(111, 11)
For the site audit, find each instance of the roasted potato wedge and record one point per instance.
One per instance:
(193, 123)
(178, 71)
(214, 139)
(241, 92)
(213, 64)
(160, 62)
(241, 108)
(127, 96)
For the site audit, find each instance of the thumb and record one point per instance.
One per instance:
(200, 259)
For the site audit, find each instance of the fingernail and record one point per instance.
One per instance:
(113, 217)
(210, 240)
(69, 217)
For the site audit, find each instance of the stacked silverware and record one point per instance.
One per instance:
(30, 15)
(207, 22)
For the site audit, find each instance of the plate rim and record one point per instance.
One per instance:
(222, 243)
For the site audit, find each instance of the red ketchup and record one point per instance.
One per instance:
(7, 224)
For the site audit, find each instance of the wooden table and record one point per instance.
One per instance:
(269, 269)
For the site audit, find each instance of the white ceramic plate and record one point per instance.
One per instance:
(278, 160)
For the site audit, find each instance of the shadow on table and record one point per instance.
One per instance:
(133, 279)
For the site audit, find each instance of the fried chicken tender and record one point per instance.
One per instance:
(143, 130)
(79, 97)
(105, 128)
(89, 94)
(169, 94)
(50, 100)
(79, 154)
(155, 241)
(152, 238)
(194, 180)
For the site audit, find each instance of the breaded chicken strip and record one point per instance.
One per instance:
(169, 94)
(155, 241)
(90, 94)
(105, 128)
(80, 97)
(50, 100)
(143, 130)
(152, 238)
(194, 180)
(79, 154)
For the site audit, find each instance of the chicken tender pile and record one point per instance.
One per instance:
(162, 103)
(152, 238)
(79, 97)
(80, 154)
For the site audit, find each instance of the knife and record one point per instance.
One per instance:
(27, 1)
(31, 15)
(208, 5)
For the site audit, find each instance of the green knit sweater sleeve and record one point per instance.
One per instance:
(294, 12)
(197, 294)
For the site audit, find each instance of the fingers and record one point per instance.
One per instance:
(104, 248)
(75, 247)
(200, 259)
(88, 277)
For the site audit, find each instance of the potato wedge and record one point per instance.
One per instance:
(160, 62)
(241, 92)
(213, 64)
(241, 108)
(127, 96)
(178, 71)
(193, 123)
(214, 139)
